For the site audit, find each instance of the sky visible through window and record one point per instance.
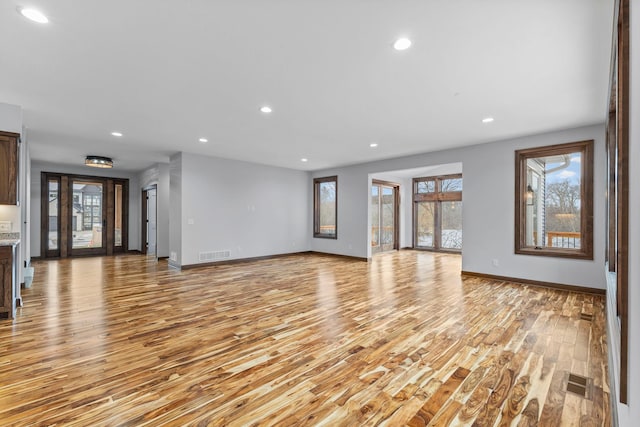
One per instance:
(572, 172)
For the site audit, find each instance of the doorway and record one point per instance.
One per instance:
(149, 220)
(83, 215)
(384, 216)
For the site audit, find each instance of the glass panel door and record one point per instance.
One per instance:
(384, 222)
(53, 217)
(117, 241)
(375, 218)
(83, 215)
(87, 214)
(387, 219)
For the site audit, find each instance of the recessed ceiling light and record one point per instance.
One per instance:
(203, 140)
(266, 109)
(373, 145)
(402, 44)
(116, 134)
(304, 160)
(33, 15)
(487, 120)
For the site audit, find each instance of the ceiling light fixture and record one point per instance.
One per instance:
(304, 160)
(266, 109)
(487, 120)
(402, 44)
(33, 15)
(203, 140)
(118, 134)
(373, 145)
(98, 162)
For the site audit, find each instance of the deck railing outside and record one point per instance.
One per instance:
(563, 239)
(387, 235)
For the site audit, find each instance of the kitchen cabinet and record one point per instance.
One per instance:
(9, 168)
(6, 282)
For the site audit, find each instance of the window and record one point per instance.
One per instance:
(325, 207)
(437, 213)
(554, 201)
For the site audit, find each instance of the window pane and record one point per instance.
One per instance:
(426, 186)
(87, 218)
(375, 216)
(425, 224)
(325, 204)
(388, 213)
(118, 215)
(453, 184)
(451, 225)
(553, 201)
(54, 193)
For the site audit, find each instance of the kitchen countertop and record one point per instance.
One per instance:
(9, 239)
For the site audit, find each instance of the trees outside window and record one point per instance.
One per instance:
(437, 213)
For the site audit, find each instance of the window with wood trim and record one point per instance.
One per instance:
(554, 200)
(437, 213)
(325, 207)
(618, 197)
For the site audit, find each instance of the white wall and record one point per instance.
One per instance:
(134, 198)
(10, 118)
(628, 415)
(249, 209)
(488, 213)
(159, 175)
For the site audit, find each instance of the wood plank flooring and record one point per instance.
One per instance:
(299, 340)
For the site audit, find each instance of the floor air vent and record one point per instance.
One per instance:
(587, 317)
(578, 385)
(213, 255)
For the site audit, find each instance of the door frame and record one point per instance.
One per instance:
(65, 220)
(144, 244)
(396, 211)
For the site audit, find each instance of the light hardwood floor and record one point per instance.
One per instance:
(299, 340)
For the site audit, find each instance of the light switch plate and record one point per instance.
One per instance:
(5, 226)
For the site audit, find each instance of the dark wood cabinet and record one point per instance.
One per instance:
(9, 168)
(6, 282)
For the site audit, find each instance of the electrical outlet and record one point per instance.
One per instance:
(495, 262)
(5, 226)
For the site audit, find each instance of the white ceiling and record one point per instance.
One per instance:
(167, 72)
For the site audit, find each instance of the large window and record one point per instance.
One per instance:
(437, 214)
(554, 200)
(325, 207)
